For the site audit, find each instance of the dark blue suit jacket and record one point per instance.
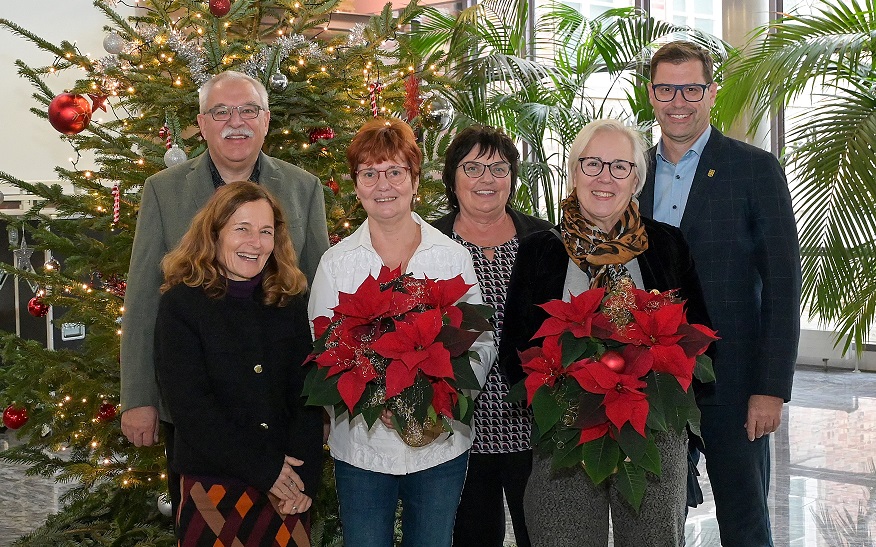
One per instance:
(739, 224)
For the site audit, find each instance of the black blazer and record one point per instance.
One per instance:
(523, 224)
(540, 274)
(230, 372)
(739, 223)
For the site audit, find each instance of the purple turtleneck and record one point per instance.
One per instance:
(243, 289)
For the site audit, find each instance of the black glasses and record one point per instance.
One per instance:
(474, 169)
(619, 169)
(692, 93)
(395, 175)
(224, 113)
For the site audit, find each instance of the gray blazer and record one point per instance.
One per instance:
(169, 201)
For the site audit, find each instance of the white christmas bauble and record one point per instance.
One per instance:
(113, 43)
(164, 506)
(174, 156)
(279, 81)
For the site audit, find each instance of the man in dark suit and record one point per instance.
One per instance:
(233, 120)
(732, 203)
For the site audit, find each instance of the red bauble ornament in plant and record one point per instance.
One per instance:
(333, 185)
(14, 417)
(613, 360)
(321, 133)
(37, 308)
(220, 8)
(69, 113)
(106, 412)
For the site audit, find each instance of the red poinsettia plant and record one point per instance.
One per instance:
(613, 370)
(399, 343)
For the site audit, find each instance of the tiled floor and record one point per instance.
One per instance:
(822, 462)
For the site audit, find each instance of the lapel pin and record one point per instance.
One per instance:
(711, 173)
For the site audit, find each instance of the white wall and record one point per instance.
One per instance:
(29, 147)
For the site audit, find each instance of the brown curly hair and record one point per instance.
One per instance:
(195, 262)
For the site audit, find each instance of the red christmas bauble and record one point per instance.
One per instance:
(334, 239)
(333, 186)
(37, 308)
(106, 412)
(14, 417)
(69, 113)
(613, 360)
(220, 8)
(321, 133)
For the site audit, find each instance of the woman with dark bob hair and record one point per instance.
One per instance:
(374, 468)
(230, 337)
(480, 177)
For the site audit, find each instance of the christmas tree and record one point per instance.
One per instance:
(322, 86)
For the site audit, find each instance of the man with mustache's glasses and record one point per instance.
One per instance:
(233, 120)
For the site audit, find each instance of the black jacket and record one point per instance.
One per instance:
(540, 274)
(230, 372)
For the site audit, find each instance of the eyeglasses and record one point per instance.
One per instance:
(395, 175)
(246, 111)
(474, 169)
(619, 169)
(692, 93)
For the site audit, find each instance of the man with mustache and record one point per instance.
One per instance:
(233, 120)
(732, 203)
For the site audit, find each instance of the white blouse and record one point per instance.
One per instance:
(343, 268)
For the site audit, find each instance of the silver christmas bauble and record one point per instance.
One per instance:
(164, 506)
(174, 156)
(436, 113)
(113, 43)
(2, 197)
(278, 82)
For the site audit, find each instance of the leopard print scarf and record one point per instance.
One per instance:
(602, 255)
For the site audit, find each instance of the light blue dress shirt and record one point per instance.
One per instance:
(673, 181)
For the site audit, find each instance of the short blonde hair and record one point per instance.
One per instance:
(608, 125)
(195, 260)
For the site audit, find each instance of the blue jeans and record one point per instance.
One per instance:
(429, 499)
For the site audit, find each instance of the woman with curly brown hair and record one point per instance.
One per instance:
(230, 337)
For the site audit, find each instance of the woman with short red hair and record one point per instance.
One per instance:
(374, 468)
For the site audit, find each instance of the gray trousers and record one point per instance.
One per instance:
(564, 508)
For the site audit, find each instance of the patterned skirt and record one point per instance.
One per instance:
(217, 512)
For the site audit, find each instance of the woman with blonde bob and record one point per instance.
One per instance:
(230, 337)
(601, 240)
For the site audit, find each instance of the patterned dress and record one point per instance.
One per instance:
(502, 427)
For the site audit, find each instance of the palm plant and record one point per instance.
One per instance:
(542, 85)
(831, 148)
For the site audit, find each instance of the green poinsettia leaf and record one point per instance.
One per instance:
(464, 409)
(371, 414)
(463, 371)
(591, 411)
(517, 393)
(476, 316)
(631, 483)
(457, 341)
(545, 408)
(320, 390)
(575, 349)
(650, 460)
(538, 439)
(703, 370)
(567, 451)
(693, 421)
(600, 457)
(667, 399)
(631, 443)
